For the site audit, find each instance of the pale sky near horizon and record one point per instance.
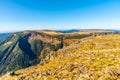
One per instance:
(17, 15)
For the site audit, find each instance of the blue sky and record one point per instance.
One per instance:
(17, 15)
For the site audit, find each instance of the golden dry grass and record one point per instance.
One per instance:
(93, 58)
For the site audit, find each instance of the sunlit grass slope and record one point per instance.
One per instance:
(92, 58)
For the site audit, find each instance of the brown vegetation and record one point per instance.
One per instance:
(92, 58)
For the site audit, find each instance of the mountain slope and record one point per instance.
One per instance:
(27, 48)
(92, 58)
(24, 49)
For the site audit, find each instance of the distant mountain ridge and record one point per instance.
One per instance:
(68, 31)
(4, 35)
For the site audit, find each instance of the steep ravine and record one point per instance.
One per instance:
(22, 50)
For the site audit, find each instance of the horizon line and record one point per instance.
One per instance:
(57, 30)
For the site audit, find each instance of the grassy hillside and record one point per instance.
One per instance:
(91, 58)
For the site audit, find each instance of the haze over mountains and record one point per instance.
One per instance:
(4, 35)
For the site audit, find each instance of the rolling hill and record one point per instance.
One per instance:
(91, 58)
(47, 50)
